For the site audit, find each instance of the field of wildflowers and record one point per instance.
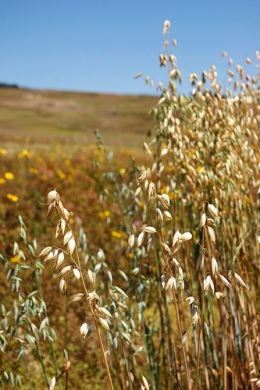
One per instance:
(140, 270)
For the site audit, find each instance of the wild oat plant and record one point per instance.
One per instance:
(193, 221)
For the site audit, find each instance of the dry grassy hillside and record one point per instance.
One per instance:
(39, 116)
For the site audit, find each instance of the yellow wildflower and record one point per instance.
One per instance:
(119, 234)
(3, 151)
(34, 170)
(104, 214)
(15, 259)
(61, 174)
(9, 175)
(24, 153)
(122, 171)
(2, 180)
(12, 197)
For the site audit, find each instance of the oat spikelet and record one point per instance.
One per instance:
(171, 283)
(60, 259)
(77, 297)
(45, 252)
(158, 214)
(149, 229)
(240, 280)
(219, 295)
(53, 196)
(200, 262)
(213, 211)
(225, 281)
(143, 176)
(67, 237)
(211, 234)
(165, 200)
(185, 236)
(104, 323)
(214, 266)
(140, 239)
(52, 255)
(203, 220)
(71, 246)
(190, 300)
(76, 273)
(65, 271)
(145, 383)
(151, 190)
(138, 75)
(176, 238)
(131, 240)
(167, 215)
(91, 277)
(166, 27)
(84, 329)
(104, 311)
(62, 287)
(52, 383)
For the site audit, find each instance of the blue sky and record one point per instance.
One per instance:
(100, 45)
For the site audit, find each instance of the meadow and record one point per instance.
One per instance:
(130, 254)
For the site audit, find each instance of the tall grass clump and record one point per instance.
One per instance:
(192, 215)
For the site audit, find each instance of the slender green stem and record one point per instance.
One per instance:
(178, 318)
(95, 322)
(39, 356)
(39, 287)
(180, 335)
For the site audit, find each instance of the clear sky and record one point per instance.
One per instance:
(100, 45)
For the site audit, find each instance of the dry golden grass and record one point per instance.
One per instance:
(41, 117)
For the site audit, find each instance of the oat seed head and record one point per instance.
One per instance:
(212, 210)
(131, 240)
(214, 266)
(149, 229)
(104, 323)
(53, 197)
(203, 220)
(71, 246)
(200, 262)
(45, 252)
(240, 281)
(60, 260)
(76, 273)
(62, 287)
(140, 239)
(166, 27)
(142, 177)
(158, 215)
(65, 271)
(84, 329)
(225, 281)
(171, 283)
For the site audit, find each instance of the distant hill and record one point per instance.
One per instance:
(71, 117)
